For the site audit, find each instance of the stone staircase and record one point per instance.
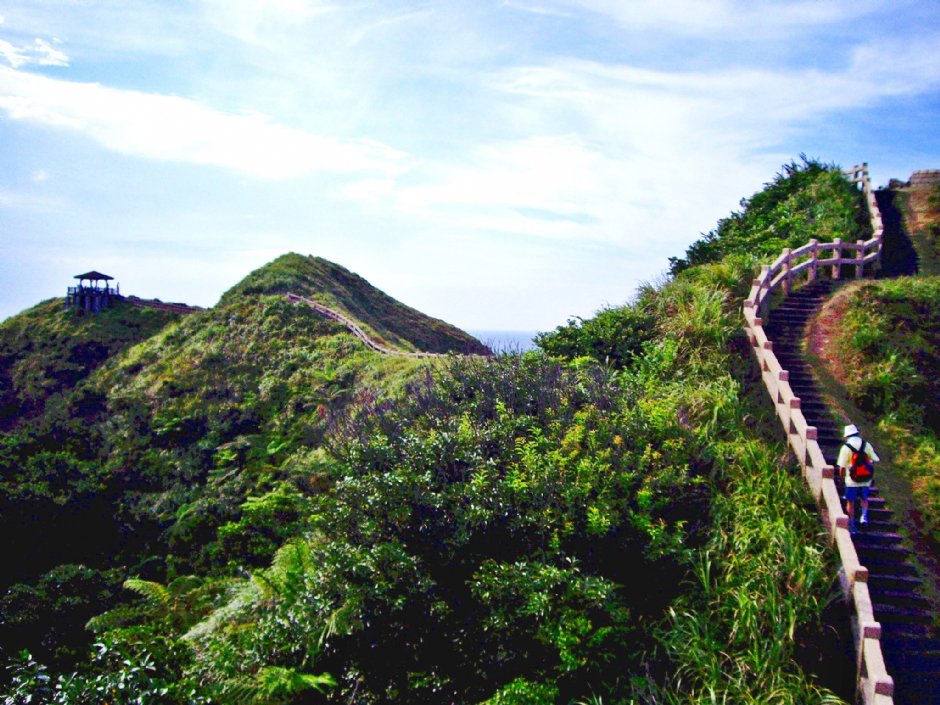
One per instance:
(909, 639)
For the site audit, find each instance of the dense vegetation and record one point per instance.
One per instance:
(806, 200)
(46, 351)
(298, 519)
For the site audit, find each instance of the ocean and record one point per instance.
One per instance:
(501, 341)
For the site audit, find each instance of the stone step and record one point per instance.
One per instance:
(926, 644)
(881, 565)
(900, 598)
(916, 680)
(869, 551)
(875, 524)
(868, 537)
(886, 613)
(893, 582)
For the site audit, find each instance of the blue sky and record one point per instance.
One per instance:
(500, 164)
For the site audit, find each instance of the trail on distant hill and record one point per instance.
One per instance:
(355, 329)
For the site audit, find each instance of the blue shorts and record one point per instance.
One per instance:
(853, 493)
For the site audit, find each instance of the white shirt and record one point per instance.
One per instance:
(845, 458)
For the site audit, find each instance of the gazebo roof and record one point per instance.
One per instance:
(94, 276)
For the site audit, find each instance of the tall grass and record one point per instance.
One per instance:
(760, 580)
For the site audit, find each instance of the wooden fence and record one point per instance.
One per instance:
(875, 685)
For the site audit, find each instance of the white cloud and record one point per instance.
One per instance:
(715, 19)
(40, 52)
(656, 156)
(172, 128)
(257, 21)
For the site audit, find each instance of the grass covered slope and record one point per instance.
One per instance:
(883, 347)
(388, 321)
(224, 405)
(46, 350)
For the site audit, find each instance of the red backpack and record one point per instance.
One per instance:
(861, 468)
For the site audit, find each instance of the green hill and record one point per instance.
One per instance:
(389, 322)
(46, 350)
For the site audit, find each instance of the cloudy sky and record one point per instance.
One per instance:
(501, 164)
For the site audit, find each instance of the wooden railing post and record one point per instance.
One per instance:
(814, 257)
(787, 276)
(837, 250)
(860, 255)
(763, 303)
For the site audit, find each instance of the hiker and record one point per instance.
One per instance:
(855, 461)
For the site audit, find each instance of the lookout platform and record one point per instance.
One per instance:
(93, 293)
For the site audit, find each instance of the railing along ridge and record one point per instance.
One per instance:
(354, 328)
(875, 686)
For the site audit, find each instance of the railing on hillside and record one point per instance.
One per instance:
(354, 328)
(875, 685)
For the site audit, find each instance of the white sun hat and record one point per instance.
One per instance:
(850, 430)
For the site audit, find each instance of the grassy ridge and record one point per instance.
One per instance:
(134, 464)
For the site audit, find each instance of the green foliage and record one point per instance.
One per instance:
(122, 675)
(757, 584)
(265, 523)
(47, 615)
(614, 335)
(807, 200)
(524, 692)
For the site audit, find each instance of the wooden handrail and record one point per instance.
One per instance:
(875, 685)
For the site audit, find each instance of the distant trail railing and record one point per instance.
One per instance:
(875, 686)
(354, 328)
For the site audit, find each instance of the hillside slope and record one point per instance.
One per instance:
(45, 351)
(389, 322)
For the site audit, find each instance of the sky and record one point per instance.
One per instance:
(499, 164)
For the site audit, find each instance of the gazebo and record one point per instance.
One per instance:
(90, 294)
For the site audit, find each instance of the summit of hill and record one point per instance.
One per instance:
(387, 321)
